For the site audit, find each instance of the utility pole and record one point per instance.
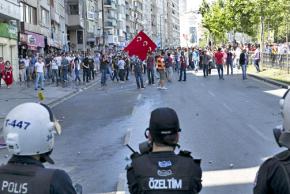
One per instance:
(262, 40)
(287, 43)
(103, 24)
(160, 31)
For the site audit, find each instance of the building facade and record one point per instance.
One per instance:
(33, 27)
(9, 21)
(190, 30)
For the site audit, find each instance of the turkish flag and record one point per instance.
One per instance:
(140, 45)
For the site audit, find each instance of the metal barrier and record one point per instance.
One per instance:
(277, 61)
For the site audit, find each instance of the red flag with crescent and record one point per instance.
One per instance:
(140, 45)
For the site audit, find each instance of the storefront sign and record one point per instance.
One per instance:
(8, 31)
(35, 40)
(23, 38)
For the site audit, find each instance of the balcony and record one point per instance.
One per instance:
(75, 22)
(110, 4)
(110, 24)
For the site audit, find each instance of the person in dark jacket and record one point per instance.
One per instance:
(273, 176)
(159, 170)
(243, 63)
(29, 132)
(183, 66)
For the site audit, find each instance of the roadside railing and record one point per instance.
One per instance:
(277, 61)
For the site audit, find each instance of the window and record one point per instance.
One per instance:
(33, 15)
(80, 37)
(21, 12)
(44, 17)
(28, 14)
(74, 9)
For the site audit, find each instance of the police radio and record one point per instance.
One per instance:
(144, 147)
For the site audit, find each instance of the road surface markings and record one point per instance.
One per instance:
(139, 97)
(259, 133)
(229, 177)
(54, 104)
(227, 107)
(277, 92)
(211, 93)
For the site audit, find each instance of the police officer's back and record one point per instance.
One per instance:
(274, 174)
(29, 134)
(161, 170)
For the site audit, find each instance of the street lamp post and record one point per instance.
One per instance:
(160, 30)
(103, 24)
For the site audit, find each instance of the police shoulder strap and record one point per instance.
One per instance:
(187, 154)
(283, 156)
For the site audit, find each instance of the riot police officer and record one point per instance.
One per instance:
(160, 170)
(273, 176)
(29, 132)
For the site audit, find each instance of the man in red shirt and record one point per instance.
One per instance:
(2, 68)
(219, 60)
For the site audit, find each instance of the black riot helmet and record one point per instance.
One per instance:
(164, 123)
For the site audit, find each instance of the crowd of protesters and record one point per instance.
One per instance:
(117, 65)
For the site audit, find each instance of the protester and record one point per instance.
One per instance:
(77, 68)
(229, 61)
(104, 69)
(169, 67)
(22, 70)
(150, 68)
(121, 65)
(54, 71)
(205, 63)
(138, 71)
(8, 74)
(86, 69)
(39, 68)
(183, 66)
(219, 58)
(257, 59)
(243, 63)
(161, 70)
(64, 67)
(2, 68)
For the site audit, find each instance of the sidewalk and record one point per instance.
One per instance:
(9, 98)
(272, 76)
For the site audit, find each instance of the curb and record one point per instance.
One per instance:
(276, 83)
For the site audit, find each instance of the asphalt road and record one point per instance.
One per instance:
(228, 123)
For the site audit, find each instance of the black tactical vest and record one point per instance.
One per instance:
(166, 173)
(284, 158)
(25, 179)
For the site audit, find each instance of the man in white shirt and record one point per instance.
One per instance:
(39, 65)
(121, 65)
(54, 67)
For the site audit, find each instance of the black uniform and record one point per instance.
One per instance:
(274, 174)
(164, 172)
(25, 175)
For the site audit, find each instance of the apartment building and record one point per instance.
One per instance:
(190, 30)
(9, 19)
(35, 26)
(75, 25)
(165, 25)
(58, 37)
(173, 23)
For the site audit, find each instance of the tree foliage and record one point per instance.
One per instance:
(245, 16)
